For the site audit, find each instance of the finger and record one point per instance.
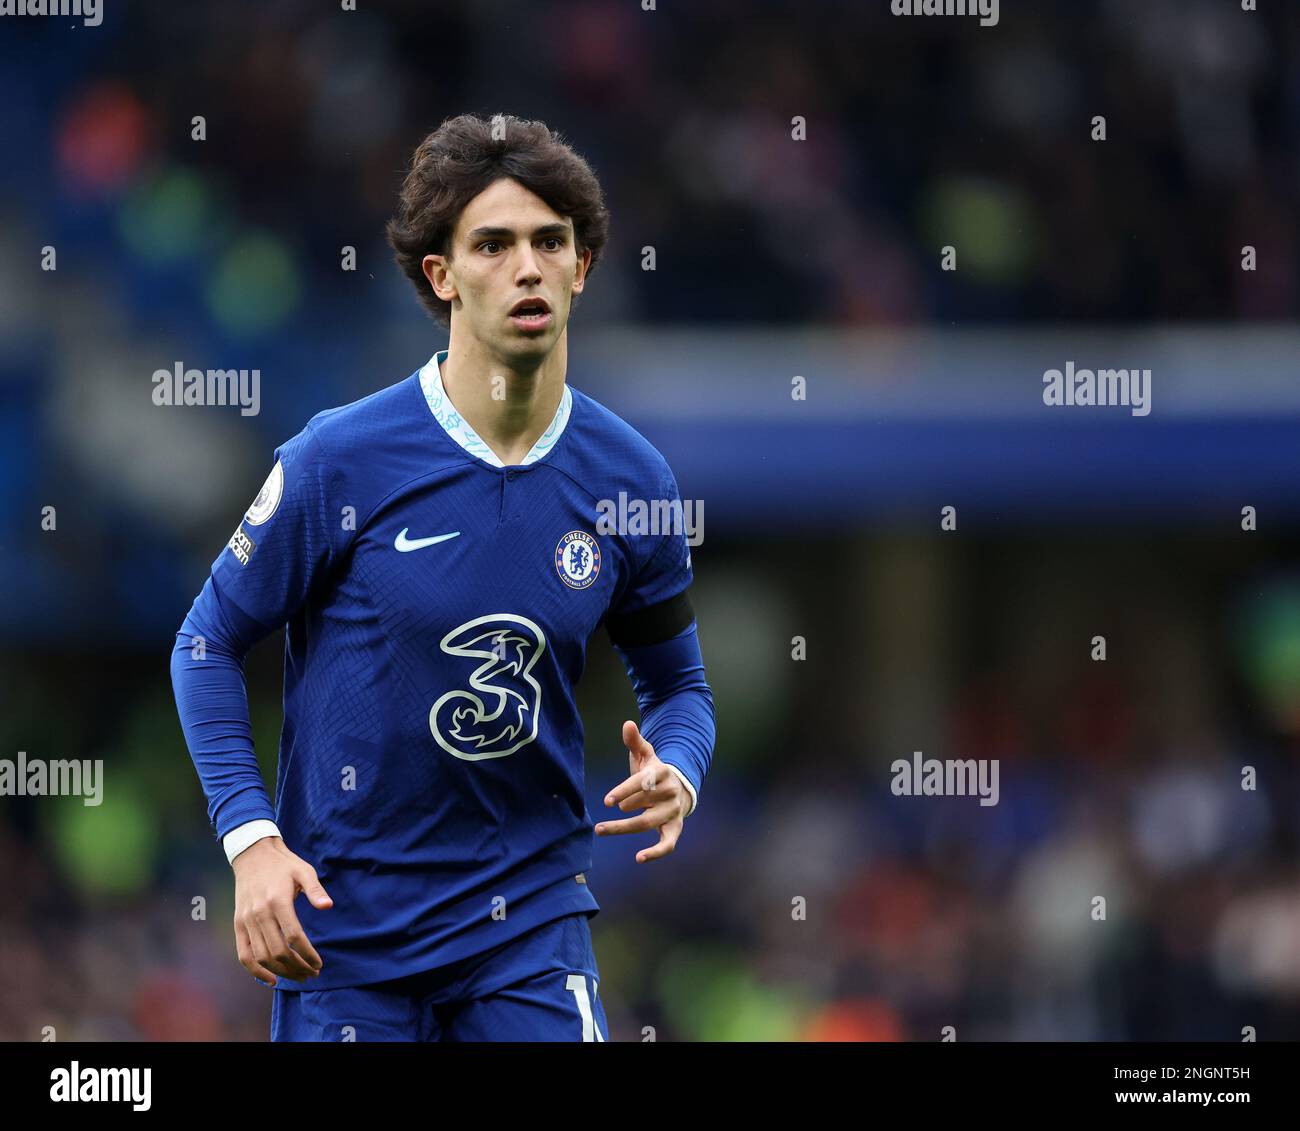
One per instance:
(639, 781)
(311, 887)
(647, 779)
(668, 835)
(638, 749)
(639, 800)
(297, 938)
(644, 798)
(261, 948)
(651, 819)
(282, 954)
(244, 948)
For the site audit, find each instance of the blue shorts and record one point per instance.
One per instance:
(538, 987)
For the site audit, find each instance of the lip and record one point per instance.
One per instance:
(536, 322)
(531, 300)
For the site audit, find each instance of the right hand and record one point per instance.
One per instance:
(268, 936)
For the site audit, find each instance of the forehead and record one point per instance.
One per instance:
(507, 204)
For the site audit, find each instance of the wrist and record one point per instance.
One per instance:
(692, 798)
(246, 835)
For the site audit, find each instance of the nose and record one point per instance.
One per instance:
(527, 270)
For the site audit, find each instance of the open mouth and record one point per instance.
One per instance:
(529, 315)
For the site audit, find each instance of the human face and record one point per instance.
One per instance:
(509, 246)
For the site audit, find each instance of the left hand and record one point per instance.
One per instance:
(652, 786)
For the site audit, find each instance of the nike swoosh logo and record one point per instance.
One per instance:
(405, 545)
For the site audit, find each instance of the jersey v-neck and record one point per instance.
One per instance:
(458, 428)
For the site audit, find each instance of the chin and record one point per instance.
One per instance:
(526, 345)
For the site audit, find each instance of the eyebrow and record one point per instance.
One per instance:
(498, 233)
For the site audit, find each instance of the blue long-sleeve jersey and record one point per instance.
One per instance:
(438, 607)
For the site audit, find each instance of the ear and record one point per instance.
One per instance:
(584, 264)
(437, 269)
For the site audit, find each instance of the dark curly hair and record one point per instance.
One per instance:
(459, 160)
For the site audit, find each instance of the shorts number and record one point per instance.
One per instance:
(576, 984)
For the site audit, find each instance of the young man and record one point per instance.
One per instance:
(438, 554)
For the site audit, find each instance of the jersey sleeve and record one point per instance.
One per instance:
(283, 547)
(652, 627)
(676, 704)
(653, 606)
(286, 541)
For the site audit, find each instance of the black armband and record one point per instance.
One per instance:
(652, 625)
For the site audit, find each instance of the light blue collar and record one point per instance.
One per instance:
(457, 427)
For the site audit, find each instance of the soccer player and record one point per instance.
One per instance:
(440, 554)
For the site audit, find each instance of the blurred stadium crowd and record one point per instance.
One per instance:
(1121, 780)
(921, 133)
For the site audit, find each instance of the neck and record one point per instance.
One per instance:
(508, 403)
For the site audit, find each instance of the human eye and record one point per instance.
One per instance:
(489, 243)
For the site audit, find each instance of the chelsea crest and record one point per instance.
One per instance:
(577, 559)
